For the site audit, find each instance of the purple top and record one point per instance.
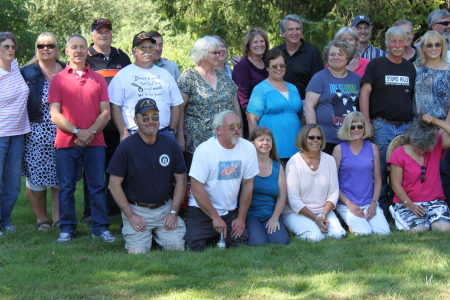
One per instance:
(356, 174)
(246, 76)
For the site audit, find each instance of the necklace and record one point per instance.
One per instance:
(352, 60)
(307, 162)
(45, 70)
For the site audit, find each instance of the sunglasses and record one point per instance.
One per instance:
(312, 137)
(423, 174)
(147, 47)
(443, 23)
(232, 126)
(217, 52)
(281, 66)
(146, 119)
(437, 45)
(102, 21)
(49, 46)
(7, 47)
(353, 127)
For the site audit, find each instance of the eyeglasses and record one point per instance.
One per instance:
(146, 47)
(353, 127)
(430, 46)
(7, 47)
(232, 126)
(102, 21)
(146, 119)
(217, 52)
(312, 137)
(49, 46)
(445, 23)
(423, 174)
(281, 66)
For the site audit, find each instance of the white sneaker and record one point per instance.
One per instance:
(106, 236)
(65, 237)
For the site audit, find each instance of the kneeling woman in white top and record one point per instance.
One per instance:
(312, 187)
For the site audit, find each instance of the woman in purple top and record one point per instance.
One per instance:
(250, 70)
(358, 165)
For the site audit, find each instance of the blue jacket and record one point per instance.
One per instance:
(35, 80)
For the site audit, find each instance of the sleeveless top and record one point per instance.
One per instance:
(356, 174)
(265, 192)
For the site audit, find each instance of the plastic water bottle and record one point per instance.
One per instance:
(221, 244)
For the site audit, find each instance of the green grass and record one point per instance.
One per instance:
(398, 266)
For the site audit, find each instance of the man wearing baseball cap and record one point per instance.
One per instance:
(141, 184)
(144, 80)
(363, 27)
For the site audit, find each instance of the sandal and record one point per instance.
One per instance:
(56, 224)
(44, 226)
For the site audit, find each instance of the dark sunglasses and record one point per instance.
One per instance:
(281, 66)
(312, 137)
(353, 127)
(49, 46)
(101, 21)
(232, 126)
(443, 23)
(423, 174)
(430, 46)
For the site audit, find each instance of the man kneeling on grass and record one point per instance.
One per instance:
(220, 166)
(141, 183)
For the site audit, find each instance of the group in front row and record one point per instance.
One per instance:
(57, 118)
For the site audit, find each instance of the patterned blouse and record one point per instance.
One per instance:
(204, 103)
(432, 91)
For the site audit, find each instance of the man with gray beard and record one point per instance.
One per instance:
(439, 20)
(144, 80)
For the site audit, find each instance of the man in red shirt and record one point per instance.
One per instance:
(79, 106)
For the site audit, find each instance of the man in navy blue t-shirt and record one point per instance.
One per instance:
(141, 183)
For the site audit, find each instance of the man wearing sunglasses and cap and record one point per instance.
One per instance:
(107, 61)
(144, 80)
(222, 170)
(141, 183)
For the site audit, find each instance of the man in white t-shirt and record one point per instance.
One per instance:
(144, 80)
(221, 166)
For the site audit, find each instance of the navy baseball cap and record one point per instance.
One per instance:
(140, 37)
(100, 22)
(361, 18)
(143, 105)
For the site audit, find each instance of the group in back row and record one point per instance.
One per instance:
(264, 96)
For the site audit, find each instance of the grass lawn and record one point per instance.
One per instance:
(399, 266)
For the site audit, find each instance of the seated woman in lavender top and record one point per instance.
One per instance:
(358, 165)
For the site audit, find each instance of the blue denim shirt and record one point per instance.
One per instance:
(35, 80)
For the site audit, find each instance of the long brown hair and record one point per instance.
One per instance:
(260, 130)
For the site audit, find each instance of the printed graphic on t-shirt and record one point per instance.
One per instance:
(396, 80)
(344, 101)
(229, 170)
(148, 87)
(164, 160)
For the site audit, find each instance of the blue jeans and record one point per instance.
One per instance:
(11, 155)
(383, 134)
(258, 235)
(67, 160)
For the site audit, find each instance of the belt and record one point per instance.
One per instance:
(395, 123)
(148, 205)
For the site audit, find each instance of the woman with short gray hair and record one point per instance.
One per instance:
(419, 201)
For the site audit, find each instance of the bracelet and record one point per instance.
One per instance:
(316, 219)
(325, 213)
(174, 212)
(375, 201)
(405, 202)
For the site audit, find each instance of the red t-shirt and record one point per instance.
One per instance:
(80, 99)
(417, 191)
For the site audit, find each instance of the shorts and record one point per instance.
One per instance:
(436, 211)
(37, 188)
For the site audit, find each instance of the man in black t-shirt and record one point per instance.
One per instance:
(141, 184)
(386, 97)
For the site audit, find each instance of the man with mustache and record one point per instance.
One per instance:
(79, 106)
(144, 80)
(363, 27)
(386, 97)
(221, 166)
(164, 63)
(141, 183)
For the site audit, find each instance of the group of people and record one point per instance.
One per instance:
(134, 131)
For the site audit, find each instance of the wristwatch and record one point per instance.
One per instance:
(174, 212)
(76, 130)
(174, 131)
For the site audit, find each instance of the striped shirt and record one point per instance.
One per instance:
(13, 102)
(371, 52)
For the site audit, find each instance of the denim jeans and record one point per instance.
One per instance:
(383, 134)
(11, 155)
(258, 235)
(67, 160)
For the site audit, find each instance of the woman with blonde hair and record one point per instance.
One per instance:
(358, 165)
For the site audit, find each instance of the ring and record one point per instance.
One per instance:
(137, 226)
